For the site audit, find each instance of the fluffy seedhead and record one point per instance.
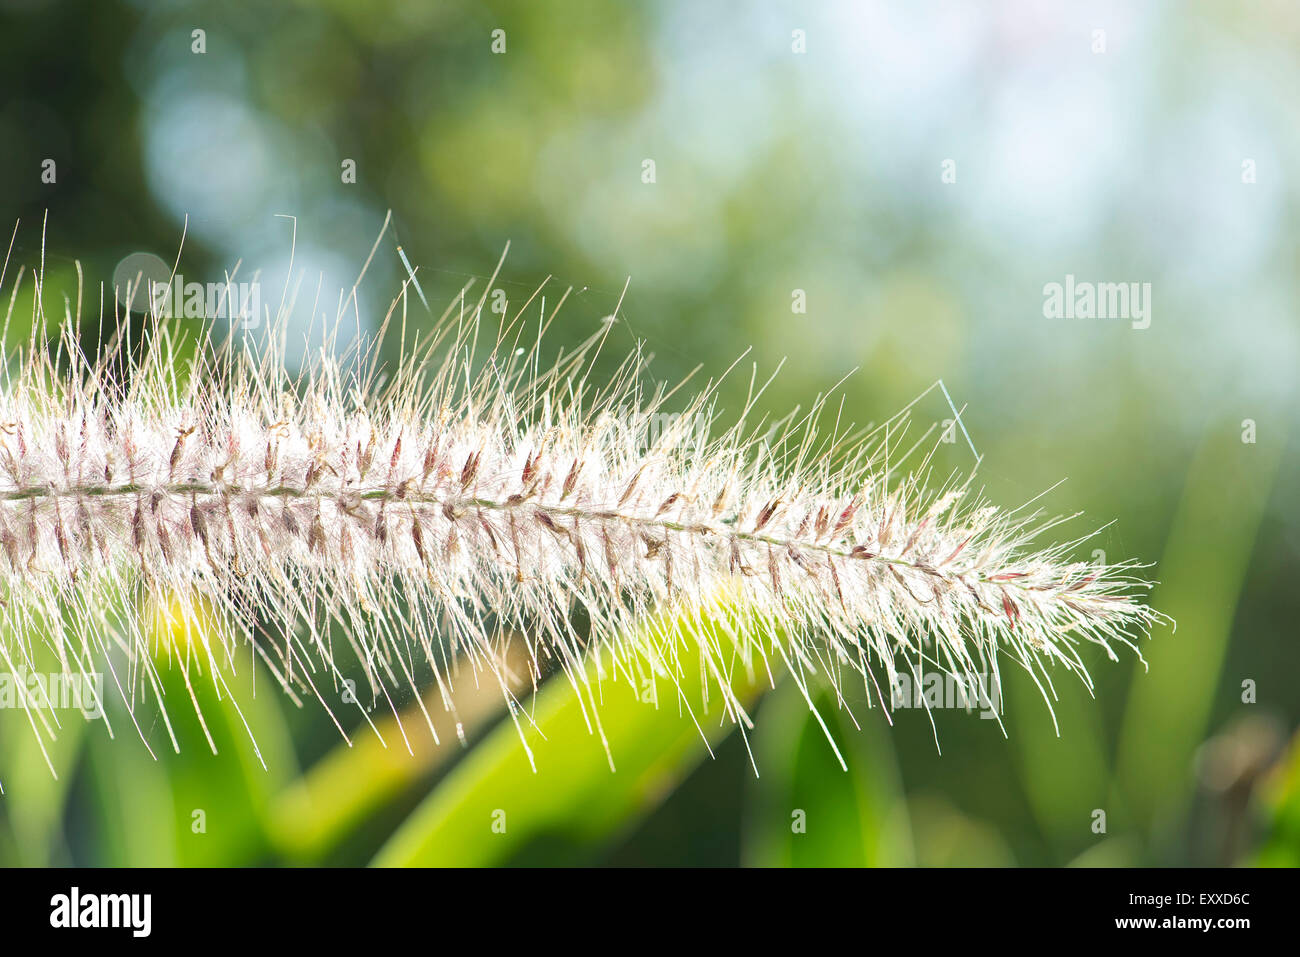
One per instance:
(409, 519)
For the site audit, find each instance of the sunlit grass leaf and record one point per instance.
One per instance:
(804, 809)
(1282, 845)
(494, 809)
(192, 808)
(1064, 776)
(1204, 566)
(351, 790)
(34, 799)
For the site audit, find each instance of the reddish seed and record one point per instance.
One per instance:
(571, 480)
(469, 471)
(1009, 606)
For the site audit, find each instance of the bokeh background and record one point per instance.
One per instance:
(919, 170)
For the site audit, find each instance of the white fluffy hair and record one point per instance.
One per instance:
(423, 514)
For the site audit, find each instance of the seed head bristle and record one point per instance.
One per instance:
(430, 510)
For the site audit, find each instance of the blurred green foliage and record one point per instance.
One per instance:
(774, 172)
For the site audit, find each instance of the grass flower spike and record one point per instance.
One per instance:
(400, 524)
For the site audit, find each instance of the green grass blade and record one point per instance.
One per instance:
(1202, 573)
(493, 809)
